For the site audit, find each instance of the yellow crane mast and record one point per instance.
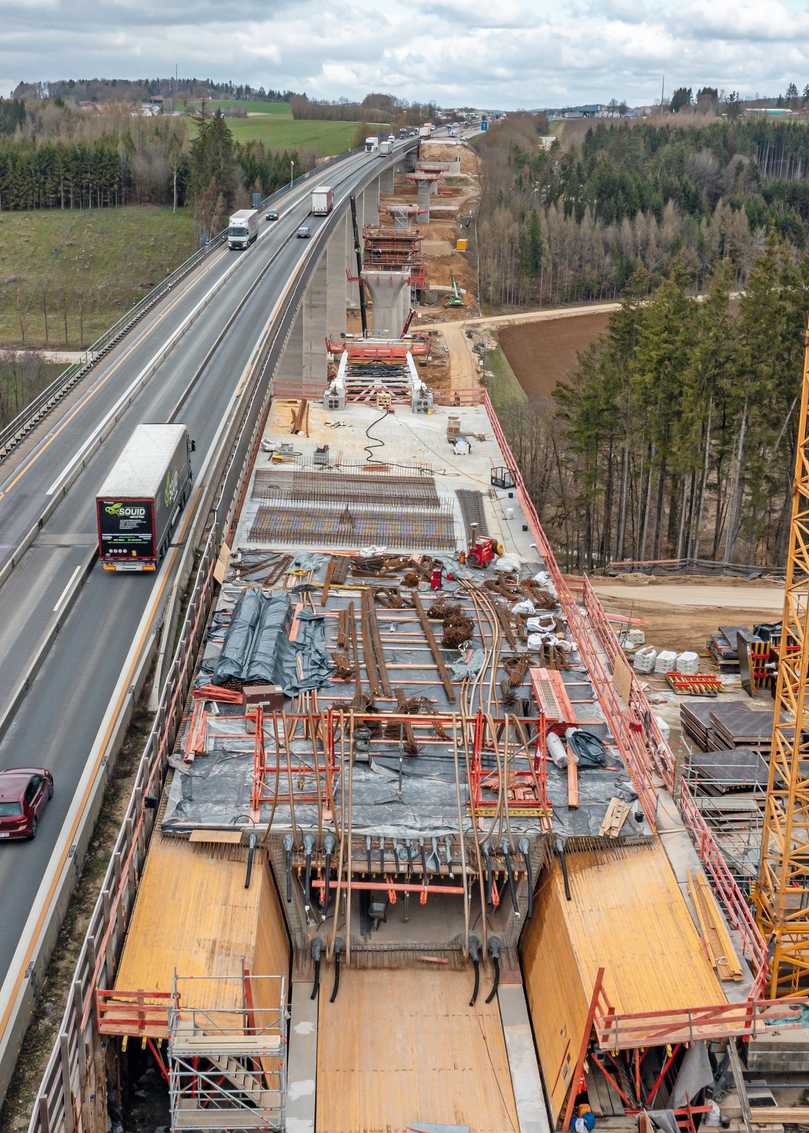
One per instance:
(782, 894)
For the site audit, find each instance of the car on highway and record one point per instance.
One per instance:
(271, 214)
(304, 232)
(24, 794)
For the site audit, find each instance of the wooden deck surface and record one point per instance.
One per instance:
(193, 915)
(402, 1046)
(627, 915)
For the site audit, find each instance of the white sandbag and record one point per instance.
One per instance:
(687, 662)
(524, 606)
(536, 640)
(545, 623)
(644, 659)
(635, 637)
(666, 660)
(546, 582)
(557, 750)
(506, 564)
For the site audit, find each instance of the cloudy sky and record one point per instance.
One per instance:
(495, 53)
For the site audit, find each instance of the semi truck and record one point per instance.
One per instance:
(322, 201)
(242, 228)
(141, 499)
(371, 143)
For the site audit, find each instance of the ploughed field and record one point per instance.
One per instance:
(542, 354)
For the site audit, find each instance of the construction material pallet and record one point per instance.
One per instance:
(695, 684)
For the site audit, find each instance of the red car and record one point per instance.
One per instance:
(24, 794)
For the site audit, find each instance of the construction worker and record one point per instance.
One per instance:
(585, 1119)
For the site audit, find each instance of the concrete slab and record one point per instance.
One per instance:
(526, 1080)
(302, 1061)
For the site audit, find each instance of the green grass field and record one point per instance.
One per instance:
(279, 133)
(251, 106)
(504, 388)
(85, 268)
(20, 381)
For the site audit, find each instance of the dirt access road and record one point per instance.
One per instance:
(682, 615)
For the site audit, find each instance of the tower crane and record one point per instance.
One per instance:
(782, 892)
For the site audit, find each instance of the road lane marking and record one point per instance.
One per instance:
(63, 596)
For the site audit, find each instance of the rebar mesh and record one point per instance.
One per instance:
(334, 527)
(353, 488)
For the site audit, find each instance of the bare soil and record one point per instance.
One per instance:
(542, 354)
(684, 615)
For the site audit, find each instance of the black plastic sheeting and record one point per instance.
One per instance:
(257, 649)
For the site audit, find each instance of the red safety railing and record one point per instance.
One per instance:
(133, 1012)
(640, 741)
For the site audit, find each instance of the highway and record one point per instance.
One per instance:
(59, 716)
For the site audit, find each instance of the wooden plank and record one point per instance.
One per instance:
(779, 1115)
(614, 818)
(440, 663)
(713, 928)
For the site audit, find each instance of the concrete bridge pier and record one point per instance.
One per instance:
(390, 291)
(370, 204)
(386, 180)
(301, 369)
(336, 263)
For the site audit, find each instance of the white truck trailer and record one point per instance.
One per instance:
(322, 201)
(242, 229)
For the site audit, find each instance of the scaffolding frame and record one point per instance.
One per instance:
(227, 1065)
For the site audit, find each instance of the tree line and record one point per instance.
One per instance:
(568, 225)
(675, 435)
(375, 107)
(114, 90)
(118, 160)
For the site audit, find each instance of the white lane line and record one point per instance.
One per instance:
(66, 471)
(63, 596)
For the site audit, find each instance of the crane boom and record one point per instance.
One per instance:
(782, 893)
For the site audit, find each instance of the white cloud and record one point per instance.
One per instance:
(505, 53)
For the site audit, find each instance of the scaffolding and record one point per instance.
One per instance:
(227, 1066)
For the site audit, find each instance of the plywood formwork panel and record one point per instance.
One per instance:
(626, 915)
(192, 914)
(399, 1047)
(272, 951)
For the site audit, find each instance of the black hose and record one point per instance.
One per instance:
(374, 441)
(316, 984)
(336, 985)
(250, 854)
(589, 749)
(496, 982)
(476, 988)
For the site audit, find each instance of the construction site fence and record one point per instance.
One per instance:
(632, 722)
(693, 566)
(62, 1088)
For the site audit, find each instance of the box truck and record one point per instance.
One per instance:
(426, 130)
(322, 201)
(142, 497)
(242, 228)
(385, 148)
